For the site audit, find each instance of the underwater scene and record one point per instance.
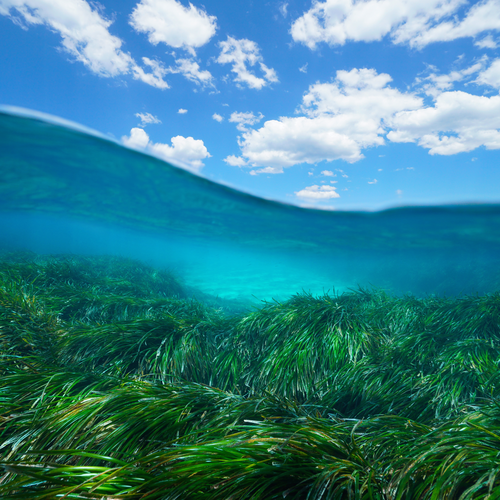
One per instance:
(166, 337)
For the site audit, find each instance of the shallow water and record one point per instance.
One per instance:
(63, 189)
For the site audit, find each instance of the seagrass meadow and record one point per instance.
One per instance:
(115, 383)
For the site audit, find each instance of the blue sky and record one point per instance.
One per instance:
(339, 104)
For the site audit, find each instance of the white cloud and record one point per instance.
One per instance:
(241, 53)
(486, 43)
(169, 22)
(284, 9)
(457, 122)
(290, 141)
(155, 78)
(147, 118)
(217, 117)
(359, 92)
(482, 16)
(328, 173)
(84, 32)
(438, 83)
(138, 139)
(185, 152)
(267, 170)
(235, 161)
(415, 22)
(341, 118)
(182, 111)
(491, 76)
(318, 193)
(373, 182)
(303, 69)
(85, 36)
(245, 119)
(359, 109)
(191, 70)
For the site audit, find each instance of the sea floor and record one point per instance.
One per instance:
(118, 381)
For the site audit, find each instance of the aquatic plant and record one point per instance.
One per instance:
(115, 383)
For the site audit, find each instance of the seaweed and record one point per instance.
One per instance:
(115, 382)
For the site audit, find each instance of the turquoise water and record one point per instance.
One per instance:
(64, 189)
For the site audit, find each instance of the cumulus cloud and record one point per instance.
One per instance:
(147, 118)
(217, 117)
(317, 193)
(235, 161)
(290, 141)
(328, 173)
(191, 70)
(457, 122)
(340, 119)
(138, 139)
(182, 111)
(359, 92)
(169, 22)
(85, 36)
(185, 152)
(359, 110)
(245, 119)
(414, 22)
(241, 54)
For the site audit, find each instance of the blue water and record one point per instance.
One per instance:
(64, 189)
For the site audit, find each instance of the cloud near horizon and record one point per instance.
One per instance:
(317, 193)
(185, 152)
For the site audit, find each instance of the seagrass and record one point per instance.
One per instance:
(116, 383)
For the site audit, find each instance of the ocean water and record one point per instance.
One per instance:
(64, 189)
